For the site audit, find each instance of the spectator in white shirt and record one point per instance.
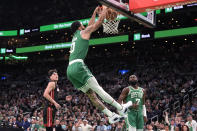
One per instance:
(192, 124)
(85, 126)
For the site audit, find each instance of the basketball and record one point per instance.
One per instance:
(111, 15)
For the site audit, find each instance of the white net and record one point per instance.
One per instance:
(111, 27)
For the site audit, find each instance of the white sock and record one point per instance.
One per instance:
(117, 105)
(107, 112)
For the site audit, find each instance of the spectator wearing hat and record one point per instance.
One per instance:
(85, 126)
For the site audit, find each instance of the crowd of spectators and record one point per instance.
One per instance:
(168, 79)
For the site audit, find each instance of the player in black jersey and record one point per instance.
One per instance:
(51, 94)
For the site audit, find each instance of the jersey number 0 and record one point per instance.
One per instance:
(72, 48)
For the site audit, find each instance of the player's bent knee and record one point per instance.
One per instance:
(91, 94)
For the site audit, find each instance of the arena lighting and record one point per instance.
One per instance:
(2, 50)
(111, 40)
(175, 32)
(122, 72)
(7, 58)
(3, 78)
(8, 33)
(18, 57)
(14, 57)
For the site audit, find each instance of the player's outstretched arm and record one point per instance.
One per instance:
(92, 20)
(123, 95)
(87, 32)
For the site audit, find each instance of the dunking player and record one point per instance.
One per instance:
(79, 74)
(137, 112)
(52, 105)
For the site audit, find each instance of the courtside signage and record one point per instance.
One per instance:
(62, 25)
(176, 32)
(2, 50)
(143, 36)
(93, 42)
(43, 47)
(65, 25)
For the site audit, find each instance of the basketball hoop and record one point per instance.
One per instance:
(111, 26)
(148, 20)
